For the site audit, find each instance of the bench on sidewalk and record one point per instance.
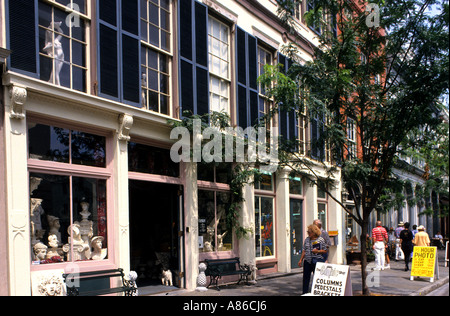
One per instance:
(217, 268)
(98, 283)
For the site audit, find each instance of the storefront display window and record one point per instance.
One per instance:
(152, 160)
(63, 145)
(68, 218)
(264, 226)
(68, 194)
(213, 233)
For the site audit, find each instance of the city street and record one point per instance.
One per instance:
(392, 282)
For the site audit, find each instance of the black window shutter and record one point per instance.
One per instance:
(283, 122)
(119, 50)
(201, 34)
(187, 86)
(317, 143)
(194, 75)
(130, 69)
(108, 61)
(22, 27)
(108, 11)
(241, 56)
(185, 29)
(292, 126)
(202, 91)
(254, 109)
(246, 51)
(287, 121)
(252, 62)
(130, 16)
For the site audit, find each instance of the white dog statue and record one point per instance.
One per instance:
(166, 278)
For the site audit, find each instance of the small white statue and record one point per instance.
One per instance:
(54, 49)
(166, 278)
(220, 241)
(208, 247)
(36, 211)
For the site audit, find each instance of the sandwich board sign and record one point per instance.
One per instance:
(424, 263)
(331, 280)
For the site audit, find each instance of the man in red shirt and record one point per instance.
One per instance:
(380, 239)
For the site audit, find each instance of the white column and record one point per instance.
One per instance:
(191, 225)
(283, 221)
(17, 195)
(121, 199)
(247, 249)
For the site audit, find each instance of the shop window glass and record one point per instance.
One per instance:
(65, 232)
(265, 183)
(52, 144)
(48, 143)
(220, 173)
(264, 227)
(213, 233)
(295, 186)
(321, 194)
(322, 214)
(147, 159)
(88, 149)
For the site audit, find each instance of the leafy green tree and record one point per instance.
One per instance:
(387, 78)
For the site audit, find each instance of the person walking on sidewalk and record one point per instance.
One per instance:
(406, 238)
(324, 235)
(380, 240)
(398, 249)
(314, 249)
(421, 239)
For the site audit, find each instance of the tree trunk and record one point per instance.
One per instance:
(364, 250)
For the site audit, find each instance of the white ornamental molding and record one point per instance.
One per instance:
(125, 122)
(18, 99)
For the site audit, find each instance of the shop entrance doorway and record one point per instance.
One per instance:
(155, 241)
(296, 210)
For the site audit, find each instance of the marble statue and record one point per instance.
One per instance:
(36, 211)
(166, 278)
(54, 49)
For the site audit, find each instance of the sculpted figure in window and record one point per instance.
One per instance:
(53, 48)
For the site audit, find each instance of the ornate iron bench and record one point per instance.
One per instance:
(217, 268)
(98, 283)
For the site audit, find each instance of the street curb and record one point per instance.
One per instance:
(430, 288)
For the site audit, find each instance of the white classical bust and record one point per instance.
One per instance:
(98, 253)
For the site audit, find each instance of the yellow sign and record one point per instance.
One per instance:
(424, 262)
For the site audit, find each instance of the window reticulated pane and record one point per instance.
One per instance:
(155, 80)
(155, 23)
(62, 48)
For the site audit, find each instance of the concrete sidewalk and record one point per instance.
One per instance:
(392, 282)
